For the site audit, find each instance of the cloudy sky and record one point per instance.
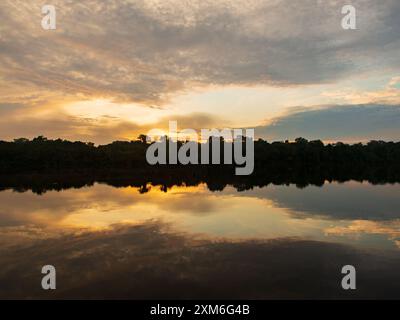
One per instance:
(113, 69)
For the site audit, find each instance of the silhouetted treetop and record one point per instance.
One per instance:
(41, 153)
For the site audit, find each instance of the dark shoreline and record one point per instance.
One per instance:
(215, 177)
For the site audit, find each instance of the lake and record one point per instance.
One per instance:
(278, 241)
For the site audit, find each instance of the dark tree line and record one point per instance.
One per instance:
(41, 164)
(42, 154)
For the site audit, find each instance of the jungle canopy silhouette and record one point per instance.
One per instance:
(44, 164)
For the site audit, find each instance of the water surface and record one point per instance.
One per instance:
(278, 241)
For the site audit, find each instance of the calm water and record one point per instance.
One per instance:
(189, 242)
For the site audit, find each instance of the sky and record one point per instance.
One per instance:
(114, 69)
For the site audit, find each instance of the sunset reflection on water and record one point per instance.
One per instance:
(106, 230)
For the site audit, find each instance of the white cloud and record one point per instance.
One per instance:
(146, 51)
